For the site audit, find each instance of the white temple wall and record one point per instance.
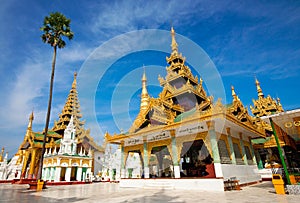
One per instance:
(98, 165)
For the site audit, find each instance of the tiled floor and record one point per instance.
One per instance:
(111, 192)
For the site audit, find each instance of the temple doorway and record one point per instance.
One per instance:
(73, 173)
(134, 164)
(63, 174)
(195, 160)
(160, 163)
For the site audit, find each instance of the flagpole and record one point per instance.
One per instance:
(280, 153)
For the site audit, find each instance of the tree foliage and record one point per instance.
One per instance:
(56, 25)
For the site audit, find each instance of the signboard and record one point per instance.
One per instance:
(133, 141)
(190, 129)
(158, 136)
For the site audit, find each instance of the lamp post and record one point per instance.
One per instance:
(280, 152)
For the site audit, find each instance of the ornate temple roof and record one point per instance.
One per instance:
(181, 92)
(265, 106)
(71, 108)
(183, 98)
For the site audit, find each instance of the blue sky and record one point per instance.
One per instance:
(242, 38)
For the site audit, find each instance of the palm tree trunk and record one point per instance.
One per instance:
(39, 176)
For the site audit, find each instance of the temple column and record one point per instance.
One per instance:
(32, 164)
(252, 152)
(44, 173)
(25, 163)
(79, 174)
(243, 149)
(159, 157)
(57, 174)
(68, 174)
(260, 162)
(146, 160)
(122, 161)
(214, 146)
(48, 176)
(175, 155)
(89, 174)
(52, 171)
(232, 154)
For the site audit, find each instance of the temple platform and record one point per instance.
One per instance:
(205, 184)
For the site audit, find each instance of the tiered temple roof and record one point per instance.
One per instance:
(181, 92)
(183, 98)
(265, 106)
(54, 136)
(72, 108)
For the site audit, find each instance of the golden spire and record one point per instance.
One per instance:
(71, 107)
(1, 156)
(31, 118)
(74, 81)
(174, 44)
(233, 93)
(259, 90)
(145, 96)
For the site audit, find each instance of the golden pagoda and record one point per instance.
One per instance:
(30, 150)
(72, 108)
(183, 133)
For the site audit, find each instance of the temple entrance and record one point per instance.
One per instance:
(160, 162)
(134, 164)
(195, 160)
(73, 173)
(63, 174)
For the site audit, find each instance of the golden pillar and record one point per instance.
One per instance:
(32, 164)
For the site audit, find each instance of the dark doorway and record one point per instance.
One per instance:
(195, 159)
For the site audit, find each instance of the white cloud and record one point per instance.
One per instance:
(124, 16)
(74, 53)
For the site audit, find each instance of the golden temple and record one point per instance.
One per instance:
(185, 128)
(29, 152)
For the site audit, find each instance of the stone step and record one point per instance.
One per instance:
(158, 185)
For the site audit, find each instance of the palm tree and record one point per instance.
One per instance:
(56, 25)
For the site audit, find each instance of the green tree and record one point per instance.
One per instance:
(55, 27)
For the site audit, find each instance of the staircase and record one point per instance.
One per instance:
(158, 184)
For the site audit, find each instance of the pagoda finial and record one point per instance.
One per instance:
(145, 96)
(174, 44)
(1, 155)
(233, 93)
(74, 81)
(259, 90)
(278, 101)
(31, 118)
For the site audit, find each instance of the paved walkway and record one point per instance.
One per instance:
(111, 192)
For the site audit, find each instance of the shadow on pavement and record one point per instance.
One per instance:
(157, 197)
